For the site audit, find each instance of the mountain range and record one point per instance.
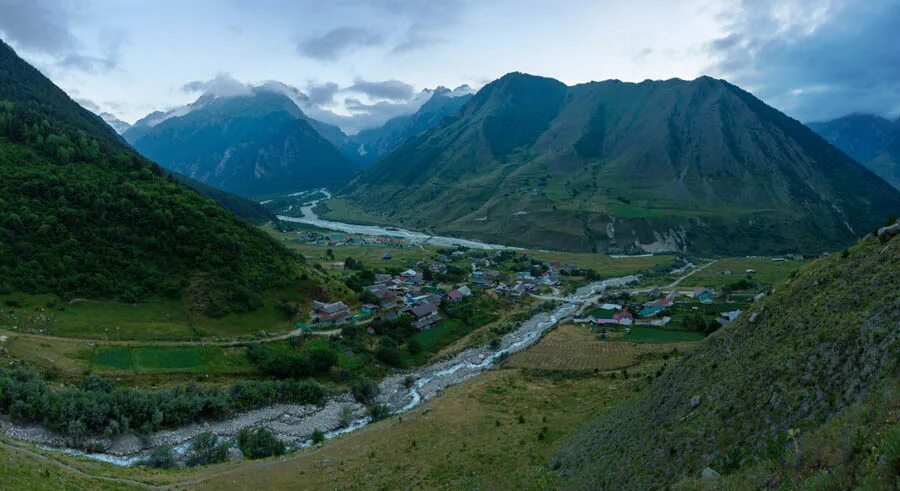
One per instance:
(609, 166)
(372, 144)
(250, 144)
(84, 215)
(872, 140)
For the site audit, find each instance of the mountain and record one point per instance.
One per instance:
(872, 140)
(806, 380)
(243, 208)
(250, 144)
(372, 144)
(625, 167)
(84, 215)
(114, 122)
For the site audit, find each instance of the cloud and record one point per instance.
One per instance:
(88, 104)
(338, 42)
(37, 25)
(222, 85)
(814, 61)
(322, 94)
(394, 90)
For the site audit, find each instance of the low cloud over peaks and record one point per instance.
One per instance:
(394, 90)
(222, 85)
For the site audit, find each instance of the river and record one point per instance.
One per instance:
(311, 218)
(295, 423)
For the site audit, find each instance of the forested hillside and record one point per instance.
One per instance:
(81, 214)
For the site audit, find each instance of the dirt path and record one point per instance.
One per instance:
(679, 280)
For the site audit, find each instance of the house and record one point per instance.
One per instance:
(337, 265)
(704, 295)
(329, 313)
(437, 267)
(611, 306)
(751, 271)
(486, 278)
(519, 289)
(381, 278)
(650, 311)
(458, 253)
(425, 315)
(730, 316)
(455, 295)
(663, 303)
(624, 317)
(466, 291)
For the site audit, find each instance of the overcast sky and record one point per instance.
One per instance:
(367, 60)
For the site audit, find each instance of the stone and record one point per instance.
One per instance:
(886, 233)
(695, 401)
(709, 474)
(234, 454)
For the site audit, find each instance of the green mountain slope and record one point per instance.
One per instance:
(872, 140)
(819, 356)
(249, 145)
(374, 143)
(243, 208)
(669, 165)
(82, 214)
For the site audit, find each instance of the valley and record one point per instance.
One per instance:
(286, 273)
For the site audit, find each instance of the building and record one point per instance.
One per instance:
(624, 317)
(466, 291)
(704, 295)
(425, 315)
(329, 313)
(455, 296)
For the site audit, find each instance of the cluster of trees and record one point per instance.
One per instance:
(96, 407)
(283, 362)
(259, 443)
(81, 214)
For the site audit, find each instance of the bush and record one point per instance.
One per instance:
(161, 458)
(318, 436)
(205, 450)
(378, 412)
(259, 443)
(364, 390)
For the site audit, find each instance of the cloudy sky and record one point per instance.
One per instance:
(360, 62)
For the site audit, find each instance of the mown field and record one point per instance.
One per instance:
(573, 348)
(603, 264)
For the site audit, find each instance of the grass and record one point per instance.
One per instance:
(767, 271)
(659, 335)
(205, 359)
(342, 210)
(603, 264)
(156, 319)
(572, 348)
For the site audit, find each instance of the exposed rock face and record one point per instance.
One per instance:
(886, 233)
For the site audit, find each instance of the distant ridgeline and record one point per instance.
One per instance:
(669, 165)
(803, 390)
(81, 214)
(872, 140)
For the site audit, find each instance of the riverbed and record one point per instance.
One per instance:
(311, 218)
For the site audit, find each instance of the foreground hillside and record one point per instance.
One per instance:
(620, 167)
(806, 381)
(872, 140)
(252, 144)
(84, 215)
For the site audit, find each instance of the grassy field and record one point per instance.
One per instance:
(572, 348)
(156, 319)
(767, 271)
(601, 263)
(659, 335)
(342, 210)
(207, 359)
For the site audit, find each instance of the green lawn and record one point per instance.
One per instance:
(205, 359)
(601, 263)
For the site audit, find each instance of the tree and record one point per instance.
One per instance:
(318, 436)
(259, 443)
(161, 458)
(206, 449)
(322, 360)
(364, 390)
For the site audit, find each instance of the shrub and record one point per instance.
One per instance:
(161, 458)
(259, 443)
(364, 390)
(318, 436)
(378, 412)
(205, 450)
